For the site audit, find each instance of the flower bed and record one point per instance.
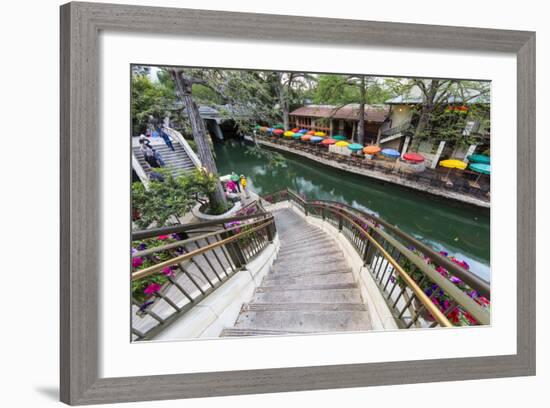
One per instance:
(144, 289)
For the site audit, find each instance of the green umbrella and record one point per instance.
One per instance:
(355, 147)
(480, 168)
(479, 158)
(339, 137)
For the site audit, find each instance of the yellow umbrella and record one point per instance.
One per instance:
(452, 164)
(320, 134)
(288, 133)
(341, 143)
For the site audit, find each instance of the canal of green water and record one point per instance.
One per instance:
(446, 225)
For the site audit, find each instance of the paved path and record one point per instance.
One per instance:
(309, 289)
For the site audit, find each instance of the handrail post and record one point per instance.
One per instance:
(340, 221)
(235, 252)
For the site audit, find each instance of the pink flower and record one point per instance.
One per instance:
(441, 270)
(162, 237)
(137, 262)
(167, 271)
(152, 288)
(483, 300)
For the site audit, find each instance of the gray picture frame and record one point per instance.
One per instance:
(81, 24)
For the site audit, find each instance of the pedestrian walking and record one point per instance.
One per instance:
(166, 137)
(243, 182)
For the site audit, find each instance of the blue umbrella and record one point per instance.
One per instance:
(302, 131)
(316, 139)
(391, 153)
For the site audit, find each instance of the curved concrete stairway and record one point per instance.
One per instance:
(309, 289)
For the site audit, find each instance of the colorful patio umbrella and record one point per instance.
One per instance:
(339, 137)
(316, 139)
(413, 157)
(311, 132)
(279, 126)
(341, 143)
(263, 129)
(390, 153)
(257, 127)
(481, 168)
(270, 130)
(355, 147)
(278, 132)
(295, 130)
(302, 131)
(306, 137)
(452, 164)
(328, 142)
(371, 149)
(479, 158)
(320, 134)
(297, 136)
(288, 133)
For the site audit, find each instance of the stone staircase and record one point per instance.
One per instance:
(176, 160)
(309, 289)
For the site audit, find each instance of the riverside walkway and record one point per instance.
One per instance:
(309, 289)
(432, 186)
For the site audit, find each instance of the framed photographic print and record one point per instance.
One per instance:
(261, 203)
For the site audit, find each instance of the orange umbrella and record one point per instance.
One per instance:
(306, 137)
(371, 149)
(311, 132)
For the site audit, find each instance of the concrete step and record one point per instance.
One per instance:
(308, 296)
(329, 278)
(304, 237)
(309, 263)
(232, 332)
(296, 272)
(262, 307)
(306, 286)
(304, 321)
(310, 255)
(310, 247)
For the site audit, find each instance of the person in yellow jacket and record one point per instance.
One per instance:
(242, 181)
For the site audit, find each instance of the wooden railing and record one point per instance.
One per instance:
(422, 288)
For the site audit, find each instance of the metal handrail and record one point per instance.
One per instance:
(155, 232)
(424, 299)
(363, 225)
(474, 281)
(142, 273)
(185, 276)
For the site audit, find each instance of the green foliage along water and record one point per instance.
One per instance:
(461, 230)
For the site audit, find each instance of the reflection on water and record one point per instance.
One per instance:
(461, 230)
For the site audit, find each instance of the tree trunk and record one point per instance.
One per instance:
(361, 124)
(184, 89)
(286, 112)
(428, 95)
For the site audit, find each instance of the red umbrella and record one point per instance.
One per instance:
(295, 130)
(413, 157)
(278, 132)
(311, 132)
(328, 142)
